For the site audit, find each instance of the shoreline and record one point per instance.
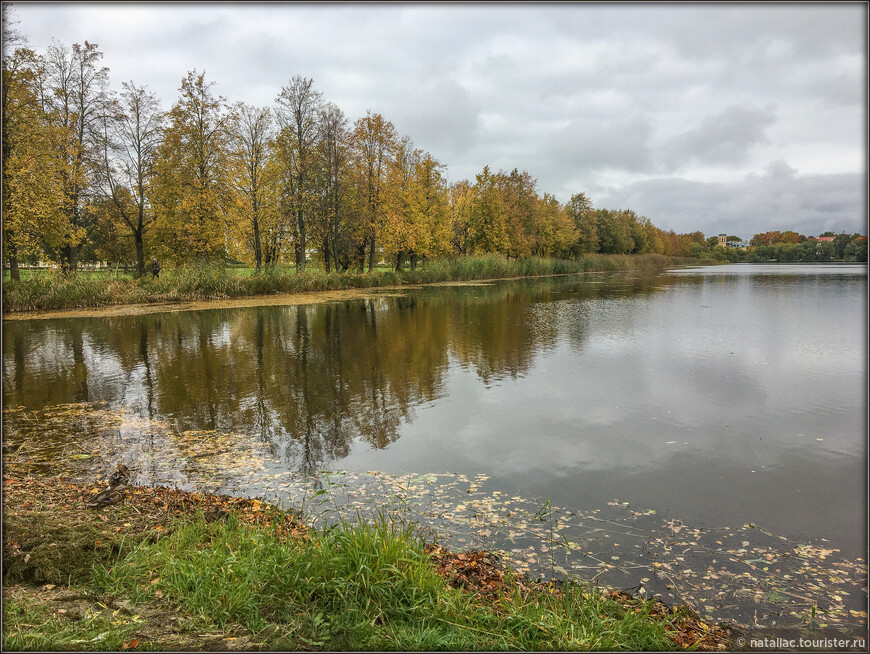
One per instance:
(262, 300)
(58, 573)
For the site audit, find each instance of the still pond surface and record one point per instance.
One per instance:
(712, 397)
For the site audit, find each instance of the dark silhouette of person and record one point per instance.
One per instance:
(155, 268)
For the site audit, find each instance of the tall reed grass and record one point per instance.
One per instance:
(212, 281)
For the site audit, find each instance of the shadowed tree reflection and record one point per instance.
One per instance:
(308, 382)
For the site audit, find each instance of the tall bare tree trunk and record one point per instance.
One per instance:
(361, 254)
(258, 248)
(140, 252)
(372, 254)
(327, 253)
(301, 244)
(12, 250)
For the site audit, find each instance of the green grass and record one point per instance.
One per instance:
(34, 626)
(358, 586)
(53, 290)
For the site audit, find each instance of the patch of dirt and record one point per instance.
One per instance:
(162, 627)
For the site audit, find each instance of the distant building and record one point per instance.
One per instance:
(824, 239)
(725, 243)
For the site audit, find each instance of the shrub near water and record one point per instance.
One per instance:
(360, 586)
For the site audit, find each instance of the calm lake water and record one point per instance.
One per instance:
(718, 395)
(702, 431)
(714, 396)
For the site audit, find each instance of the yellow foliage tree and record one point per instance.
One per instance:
(33, 224)
(372, 143)
(190, 193)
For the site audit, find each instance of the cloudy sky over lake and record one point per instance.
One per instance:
(737, 118)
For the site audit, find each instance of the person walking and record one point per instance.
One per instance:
(155, 268)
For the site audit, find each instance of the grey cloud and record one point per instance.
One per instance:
(593, 145)
(442, 118)
(724, 138)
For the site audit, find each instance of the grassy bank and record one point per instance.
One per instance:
(168, 570)
(202, 282)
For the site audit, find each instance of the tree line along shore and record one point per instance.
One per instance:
(92, 173)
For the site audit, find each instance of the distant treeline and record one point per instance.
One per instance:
(791, 246)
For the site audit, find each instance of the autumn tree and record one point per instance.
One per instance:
(519, 196)
(459, 201)
(555, 232)
(131, 132)
(298, 112)
(488, 220)
(331, 161)
(248, 151)
(372, 143)
(430, 224)
(773, 237)
(397, 233)
(581, 212)
(191, 185)
(75, 92)
(32, 174)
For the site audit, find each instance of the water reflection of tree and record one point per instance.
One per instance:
(307, 381)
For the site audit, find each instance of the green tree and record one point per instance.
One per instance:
(614, 230)
(586, 223)
(856, 250)
(840, 242)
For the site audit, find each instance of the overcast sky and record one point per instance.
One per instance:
(737, 118)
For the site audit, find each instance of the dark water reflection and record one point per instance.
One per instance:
(719, 396)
